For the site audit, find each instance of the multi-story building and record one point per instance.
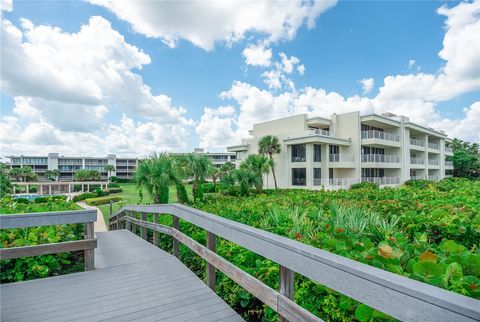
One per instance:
(349, 148)
(218, 158)
(67, 166)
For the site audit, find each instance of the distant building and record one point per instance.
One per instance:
(124, 167)
(218, 158)
(349, 148)
(67, 166)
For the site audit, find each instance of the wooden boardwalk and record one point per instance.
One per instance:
(133, 280)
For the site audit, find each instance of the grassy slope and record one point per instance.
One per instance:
(130, 196)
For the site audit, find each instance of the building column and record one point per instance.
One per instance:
(309, 165)
(49, 189)
(28, 188)
(88, 187)
(324, 163)
(426, 156)
(69, 188)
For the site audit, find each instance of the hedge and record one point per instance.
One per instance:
(84, 196)
(113, 185)
(102, 200)
(115, 190)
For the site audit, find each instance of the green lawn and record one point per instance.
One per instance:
(130, 197)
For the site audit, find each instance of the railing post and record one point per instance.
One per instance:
(89, 258)
(287, 280)
(110, 215)
(176, 225)
(128, 225)
(155, 233)
(143, 230)
(211, 272)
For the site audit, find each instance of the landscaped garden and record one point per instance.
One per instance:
(39, 266)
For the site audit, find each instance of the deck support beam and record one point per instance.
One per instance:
(176, 225)
(287, 281)
(89, 257)
(211, 272)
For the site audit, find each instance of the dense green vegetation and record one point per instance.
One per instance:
(39, 266)
(425, 231)
(466, 159)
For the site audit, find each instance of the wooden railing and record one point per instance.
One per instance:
(395, 295)
(88, 244)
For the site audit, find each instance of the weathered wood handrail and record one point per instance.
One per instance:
(88, 244)
(395, 295)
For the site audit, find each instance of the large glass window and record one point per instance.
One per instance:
(299, 153)
(372, 173)
(317, 153)
(299, 177)
(317, 176)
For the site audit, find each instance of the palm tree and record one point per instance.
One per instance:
(214, 174)
(52, 174)
(259, 165)
(15, 173)
(155, 174)
(198, 167)
(110, 168)
(246, 179)
(269, 145)
(26, 173)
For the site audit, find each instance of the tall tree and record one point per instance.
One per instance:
(259, 165)
(52, 174)
(466, 159)
(15, 173)
(197, 167)
(156, 174)
(269, 145)
(5, 184)
(27, 174)
(110, 168)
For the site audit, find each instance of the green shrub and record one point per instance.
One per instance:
(84, 196)
(113, 185)
(115, 190)
(208, 187)
(22, 200)
(419, 184)
(32, 190)
(102, 200)
(55, 198)
(113, 179)
(121, 180)
(364, 185)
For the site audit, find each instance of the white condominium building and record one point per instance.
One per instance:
(67, 166)
(348, 148)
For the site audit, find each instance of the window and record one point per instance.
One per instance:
(373, 173)
(317, 153)
(299, 153)
(371, 150)
(334, 149)
(370, 128)
(317, 176)
(299, 177)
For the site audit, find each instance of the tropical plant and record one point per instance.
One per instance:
(15, 173)
(87, 175)
(226, 168)
(246, 179)
(52, 174)
(110, 168)
(5, 184)
(259, 165)
(25, 173)
(214, 174)
(156, 174)
(198, 167)
(269, 145)
(466, 158)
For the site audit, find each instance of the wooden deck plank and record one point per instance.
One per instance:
(133, 280)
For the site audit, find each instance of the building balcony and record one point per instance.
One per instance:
(418, 177)
(320, 132)
(418, 143)
(433, 146)
(380, 158)
(417, 161)
(341, 160)
(432, 162)
(433, 178)
(381, 181)
(379, 138)
(449, 164)
(448, 151)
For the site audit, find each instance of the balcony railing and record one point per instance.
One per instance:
(340, 157)
(433, 146)
(374, 134)
(449, 163)
(432, 162)
(418, 177)
(320, 132)
(382, 158)
(416, 142)
(433, 178)
(417, 161)
(448, 149)
(382, 180)
(341, 182)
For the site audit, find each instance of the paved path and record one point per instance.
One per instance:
(133, 280)
(99, 225)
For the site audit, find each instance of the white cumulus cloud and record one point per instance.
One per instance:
(257, 55)
(367, 85)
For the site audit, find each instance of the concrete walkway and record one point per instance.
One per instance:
(99, 225)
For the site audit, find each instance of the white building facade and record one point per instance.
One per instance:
(67, 166)
(349, 148)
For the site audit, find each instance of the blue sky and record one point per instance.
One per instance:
(351, 41)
